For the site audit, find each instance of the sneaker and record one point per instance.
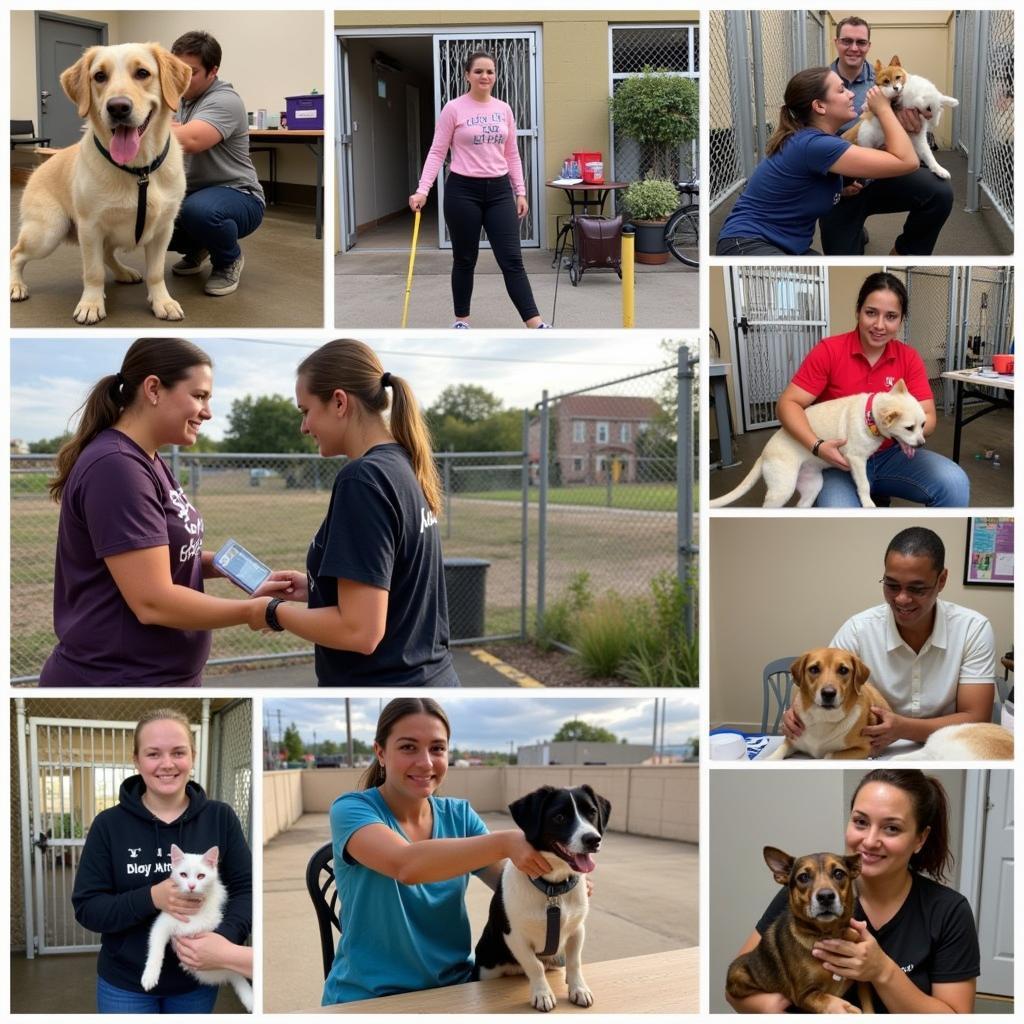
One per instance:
(224, 280)
(544, 327)
(190, 263)
(460, 325)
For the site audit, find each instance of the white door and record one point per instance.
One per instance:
(516, 56)
(995, 906)
(346, 185)
(413, 145)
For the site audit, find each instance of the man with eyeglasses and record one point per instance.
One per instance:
(926, 198)
(934, 661)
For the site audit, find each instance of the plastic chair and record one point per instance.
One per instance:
(323, 891)
(777, 683)
(20, 128)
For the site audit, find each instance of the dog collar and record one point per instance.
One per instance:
(554, 913)
(142, 173)
(869, 416)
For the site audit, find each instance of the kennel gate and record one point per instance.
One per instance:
(75, 770)
(777, 315)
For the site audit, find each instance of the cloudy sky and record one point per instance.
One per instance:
(491, 723)
(50, 379)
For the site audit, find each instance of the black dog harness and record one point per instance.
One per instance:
(554, 913)
(142, 173)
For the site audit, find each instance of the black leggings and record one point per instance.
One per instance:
(469, 205)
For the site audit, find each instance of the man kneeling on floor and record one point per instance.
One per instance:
(223, 200)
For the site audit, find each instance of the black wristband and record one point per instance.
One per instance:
(817, 445)
(271, 614)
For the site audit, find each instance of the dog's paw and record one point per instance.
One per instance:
(90, 312)
(941, 172)
(19, 292)
(543, 999)
(168, 309)
(149, 978)
(581, 995)
(125, 275)
(837, 1005)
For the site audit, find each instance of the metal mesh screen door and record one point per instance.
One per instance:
(669, 47)
(76, 770)
(516, 59)
(777, 315)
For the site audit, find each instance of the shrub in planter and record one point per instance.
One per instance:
(650, 203)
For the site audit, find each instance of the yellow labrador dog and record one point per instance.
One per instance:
(121, 186)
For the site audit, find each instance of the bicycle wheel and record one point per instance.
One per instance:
(682, 235)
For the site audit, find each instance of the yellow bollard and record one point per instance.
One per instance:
(628, 282)
(412, 261)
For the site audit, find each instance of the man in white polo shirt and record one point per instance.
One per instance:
(935, 662)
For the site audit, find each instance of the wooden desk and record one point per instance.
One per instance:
(655, 983)
(313, 140)
(965, 378)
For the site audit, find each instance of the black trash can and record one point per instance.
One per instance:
(465, 580)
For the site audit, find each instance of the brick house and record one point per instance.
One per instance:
(591, 433)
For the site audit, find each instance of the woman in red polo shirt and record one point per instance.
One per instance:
(871, 358)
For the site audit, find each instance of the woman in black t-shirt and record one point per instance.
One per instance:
(918, 944)
(374, 582)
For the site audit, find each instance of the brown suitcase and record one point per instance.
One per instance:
(598, 245)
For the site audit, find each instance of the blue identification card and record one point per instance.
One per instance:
(241, 567)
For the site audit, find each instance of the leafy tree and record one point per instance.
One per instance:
(48, 445)
(266, 423)
(469, 403)
(293, 745)
(575, 729)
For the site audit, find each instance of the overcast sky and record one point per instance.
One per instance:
(482, 723)
(50, 379)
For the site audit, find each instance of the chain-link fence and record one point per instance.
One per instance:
(230, 770)
(983, 123)
(615, 475)
(669, 47)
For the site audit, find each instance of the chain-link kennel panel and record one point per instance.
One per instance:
(726, 172)
(997, 157)
(927, 326)
(774, 65)
(231, 760)
(814, 39)
(609, 508)
(672, 48)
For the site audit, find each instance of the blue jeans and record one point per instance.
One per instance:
(928, 479)
(110, 999)
(214, 219)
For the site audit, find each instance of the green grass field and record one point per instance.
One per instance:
(641, 497)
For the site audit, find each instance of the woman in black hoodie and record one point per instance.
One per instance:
(123, 879)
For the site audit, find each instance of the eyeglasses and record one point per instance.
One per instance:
(850, 43)
(892, 588)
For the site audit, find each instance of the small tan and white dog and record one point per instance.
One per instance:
(865, 420)
(833, 699)
(972, 741)
(907, 92)
(94, 190)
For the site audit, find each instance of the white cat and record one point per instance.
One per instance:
(917, 93)
(195, 874)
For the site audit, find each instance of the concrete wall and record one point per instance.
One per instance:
(788, 584)
(659, 801)
(580, 752)
(267, 55)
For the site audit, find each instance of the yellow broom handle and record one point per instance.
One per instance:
(412, 261)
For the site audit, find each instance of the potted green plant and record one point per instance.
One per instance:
(650, 203)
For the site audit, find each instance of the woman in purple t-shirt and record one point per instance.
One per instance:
(484, 188)
(128, 601)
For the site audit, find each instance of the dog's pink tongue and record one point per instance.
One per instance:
(583, 863)
(907, 450)
(125, 144)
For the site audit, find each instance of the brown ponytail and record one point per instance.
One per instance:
(169, 359)
(795, 113)
(393, 711)
(353, 367)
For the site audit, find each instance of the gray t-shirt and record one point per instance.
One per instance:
(227, 163)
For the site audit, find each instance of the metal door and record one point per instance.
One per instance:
(76, 768)
(995, 906)
(777, 315)
(516, 58)
(343, 151)
(59, 43)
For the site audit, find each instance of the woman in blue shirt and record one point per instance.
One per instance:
(402, 860)
(801, 178)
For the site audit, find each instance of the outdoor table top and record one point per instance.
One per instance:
(654, 983)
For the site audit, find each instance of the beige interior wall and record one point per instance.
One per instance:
(780, 586)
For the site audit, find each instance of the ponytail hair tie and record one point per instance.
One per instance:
(385, 380)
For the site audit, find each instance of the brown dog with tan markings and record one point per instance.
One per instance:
(833, 699)
(821, 899)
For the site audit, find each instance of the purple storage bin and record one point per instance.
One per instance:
(305, 112)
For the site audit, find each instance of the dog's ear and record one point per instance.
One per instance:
(528, 812)
(861, 673)
(604, 808)
(879, 67)
(75, 82)
(853, 865)
(799, 667)
(781, 864)
(895, 62)
(899, 388)
(174, 74)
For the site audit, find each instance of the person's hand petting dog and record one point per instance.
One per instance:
(858, 957)
(885, 732)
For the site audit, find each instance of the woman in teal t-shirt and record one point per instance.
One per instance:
(404, 925)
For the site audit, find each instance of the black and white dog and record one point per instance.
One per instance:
(532, 922)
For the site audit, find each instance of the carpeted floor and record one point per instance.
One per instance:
(281, 285)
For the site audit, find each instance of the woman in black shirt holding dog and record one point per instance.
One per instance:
(917, 944)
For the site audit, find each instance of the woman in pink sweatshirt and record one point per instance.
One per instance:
(484, 188)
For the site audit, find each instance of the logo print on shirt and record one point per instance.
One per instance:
(192, 526)
(889, 381)
(427, 519)
(133, 852)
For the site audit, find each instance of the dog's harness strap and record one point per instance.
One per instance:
(554, 913)
(869, 416)
(142, 173)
